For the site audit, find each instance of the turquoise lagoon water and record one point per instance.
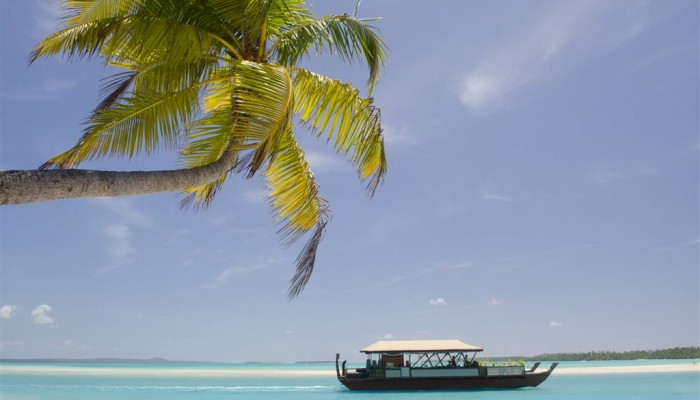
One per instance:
(315, 381)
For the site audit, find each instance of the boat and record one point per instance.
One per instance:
(434, 364)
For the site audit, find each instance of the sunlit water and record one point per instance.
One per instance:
(249, 382)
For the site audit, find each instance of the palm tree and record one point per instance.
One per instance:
(220, 81)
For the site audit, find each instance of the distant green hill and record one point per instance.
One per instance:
(675, 353)
(156, 360)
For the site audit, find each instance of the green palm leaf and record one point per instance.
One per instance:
(352, 123)
(295, 199)
(249, 112)
(83, 11)
(199, 74)
(347, 36)
(263, 98)
(139, 123)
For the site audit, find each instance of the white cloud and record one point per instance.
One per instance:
(11, 344)
(682, 245)
(256, 196)
(438, 302)
(121, 247)
(56, 85)
(388, 336)
(436, 268)
(550, 252)
(40, 315)
(496, 302)
(324, 162)
(477, 90)
(491, 196)
(556, 324)
(395, 136)
(604, 178)
(226, 275)
(558, 36)
(47, 15)
(47, 90)
(8, 311)
(125, 209)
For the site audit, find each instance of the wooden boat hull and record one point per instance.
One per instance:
(435, 383)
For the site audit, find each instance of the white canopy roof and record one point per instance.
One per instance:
(419, 346)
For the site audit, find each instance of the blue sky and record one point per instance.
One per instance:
(542, 196)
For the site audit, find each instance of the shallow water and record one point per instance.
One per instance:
(316, 381)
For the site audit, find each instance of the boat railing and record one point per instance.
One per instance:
(534, 367)
(378, 370)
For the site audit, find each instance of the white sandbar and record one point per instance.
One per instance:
(64, 370)
(630, 369)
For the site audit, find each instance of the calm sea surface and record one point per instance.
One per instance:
(309, 382)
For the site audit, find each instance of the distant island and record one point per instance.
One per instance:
(675, 353)
(314, 362)
(155, 360)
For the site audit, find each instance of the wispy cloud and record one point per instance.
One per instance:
(565, 32)
(8, 311)
(41, 315)
(496, 302)
(438, 302)
(47, 15)
(224, 277)
(324, 162)
(491, 196)
(682, 245)
(422, 272)
(120, 244)
(57, 85)
(126, 209)
(550, 252)
(257, 196)
(605, 178)
(556, 324)
(48, 89)
(388, 336)
(443, 267)
(398, 136)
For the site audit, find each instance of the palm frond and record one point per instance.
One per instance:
(263, 99)
(293, 190)
(84, 11)
(200, 197)
(162, 76)
(306, 261)
(204, 67)
(345, 35)
(139, 123)
(78, 41)
(351, 122)
(247, 16)
(146, 37)
(208, 138)
(294, 197)
(137, 34)
(114, 89)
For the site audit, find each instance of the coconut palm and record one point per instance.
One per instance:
(220, 81)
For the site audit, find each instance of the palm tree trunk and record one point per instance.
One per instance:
(29, 186)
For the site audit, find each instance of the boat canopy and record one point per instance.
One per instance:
(419, 346)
